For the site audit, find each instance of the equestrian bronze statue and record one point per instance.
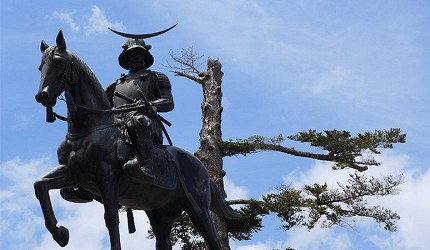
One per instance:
(147, 87)
(103, 154)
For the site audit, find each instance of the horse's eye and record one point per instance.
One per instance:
(58, 61)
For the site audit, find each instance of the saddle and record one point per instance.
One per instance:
(164, 167)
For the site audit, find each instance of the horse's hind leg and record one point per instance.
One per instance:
(161, 223)
(57, 178)
(206, 228)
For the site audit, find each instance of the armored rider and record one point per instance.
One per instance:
(143, 129)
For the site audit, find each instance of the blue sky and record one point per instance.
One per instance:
(288, 66)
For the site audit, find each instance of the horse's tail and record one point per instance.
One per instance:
(219, 205)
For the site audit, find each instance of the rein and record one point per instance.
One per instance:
(85, 133)
(110, 111)
(70, 103)
(73, 107)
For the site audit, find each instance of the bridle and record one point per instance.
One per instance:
(59, 88)
(72, 107)
(69, 99)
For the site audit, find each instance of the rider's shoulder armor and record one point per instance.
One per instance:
(110, 90)
(163, 80)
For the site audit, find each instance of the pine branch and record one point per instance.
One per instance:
(343, 149)
(249, 146)
(241, 202)
(187, 65)
(192, 77)
(317, 204)
(188, 61)
(313, 205)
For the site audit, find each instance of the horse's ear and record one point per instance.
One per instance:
(61, 43)
(43, 46)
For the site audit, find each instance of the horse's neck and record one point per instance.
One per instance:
(87, 91)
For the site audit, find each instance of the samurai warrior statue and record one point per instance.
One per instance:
(139, 84)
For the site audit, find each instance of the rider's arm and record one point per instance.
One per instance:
(165, 101)
(110, 90)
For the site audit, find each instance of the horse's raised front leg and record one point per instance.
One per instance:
(58, 178)
(108, 185)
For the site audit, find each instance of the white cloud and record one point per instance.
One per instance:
(261, 246)
(22, 225)
(249, 27)
(321, 172)
(234, 192)
(84, 221)
(87, 228)
(314, 48)
(411, 204)
(21, 221)
(319, 238)
(300, 238)
(67, 17)
(332, 79)
(22, 121)
(20, 210)
(98, 22)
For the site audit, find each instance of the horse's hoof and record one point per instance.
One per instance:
(62, 236)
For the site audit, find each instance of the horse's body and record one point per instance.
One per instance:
(89, 159)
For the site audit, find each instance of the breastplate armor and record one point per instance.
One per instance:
(128, 86)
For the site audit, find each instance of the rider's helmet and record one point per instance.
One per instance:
(133, 44)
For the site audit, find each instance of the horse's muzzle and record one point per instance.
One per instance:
(45, 99)
(42, 97)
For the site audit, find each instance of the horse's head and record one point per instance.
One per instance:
(56, 69)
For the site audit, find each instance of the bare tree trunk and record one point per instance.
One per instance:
(209, 152)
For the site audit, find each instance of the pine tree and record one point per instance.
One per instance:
(315, 204)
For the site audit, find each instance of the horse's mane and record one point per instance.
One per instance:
(85, 71)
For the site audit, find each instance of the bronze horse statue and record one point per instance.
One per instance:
(89, 159)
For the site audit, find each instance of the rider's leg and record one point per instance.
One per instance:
(140, 132)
